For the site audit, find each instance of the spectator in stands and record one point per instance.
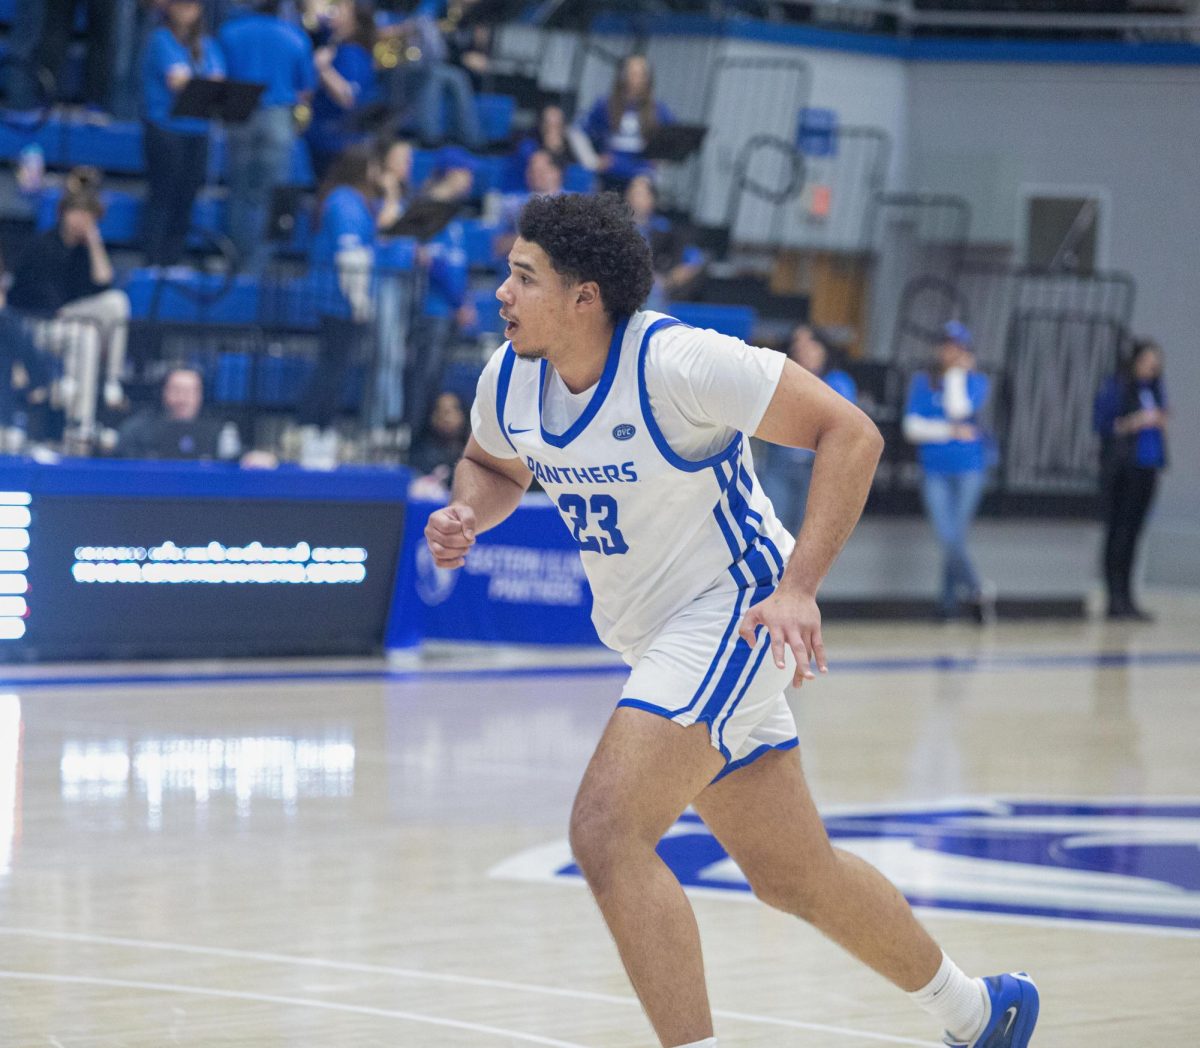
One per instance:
(619, 124)
(345, 82)
(176, 148)
(395, 181)
(342, 257)
(445, 309)
(432, 78)
(543, 177)
(24, 371)
(66, 274)
(1131, 419)
(261, 47)
(941, 418)
(565, 145)
(40, 38)
(677, 264)
(177, 429)
(788, 471)
(439, 444)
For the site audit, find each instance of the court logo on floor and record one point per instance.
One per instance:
(1124, 861)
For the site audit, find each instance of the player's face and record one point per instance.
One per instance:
(534, 302)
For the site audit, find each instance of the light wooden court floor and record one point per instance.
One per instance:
(347, 855)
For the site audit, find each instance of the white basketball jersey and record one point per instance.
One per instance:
(654, 529)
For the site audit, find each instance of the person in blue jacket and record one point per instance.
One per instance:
(618, 125)
(342, 257)
(346, 83)
(263, 48)
(941, 418)
(176, 148)
(1131, 420)
(787, 472)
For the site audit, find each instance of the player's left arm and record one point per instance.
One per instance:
(805, 412)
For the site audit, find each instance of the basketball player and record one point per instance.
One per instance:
(637, 427)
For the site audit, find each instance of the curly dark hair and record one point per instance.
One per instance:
(592, 238)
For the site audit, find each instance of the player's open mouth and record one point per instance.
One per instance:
(509, 325)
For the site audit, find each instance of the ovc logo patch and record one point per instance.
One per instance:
(1124, 861)
(624, 431)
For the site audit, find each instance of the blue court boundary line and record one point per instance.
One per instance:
(936, 663)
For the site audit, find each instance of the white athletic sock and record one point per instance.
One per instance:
(710, 1042)
(959, 1003)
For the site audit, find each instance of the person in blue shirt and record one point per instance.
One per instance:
(345, 82)
(176, 148)
(618, 125)
(1131, 420)
(445, 308)
(260, 47)
(342, 257)
(787, 472)
(941, 418)
(677, 263)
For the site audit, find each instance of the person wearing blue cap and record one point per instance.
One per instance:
(942, 418)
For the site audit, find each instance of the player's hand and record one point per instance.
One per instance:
(450, 532)
(793, 621)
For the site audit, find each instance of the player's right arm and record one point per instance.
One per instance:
(486, 490)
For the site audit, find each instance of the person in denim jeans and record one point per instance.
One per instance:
(941, 419)
(262, 48)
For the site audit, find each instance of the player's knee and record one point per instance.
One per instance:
(798, 892)
(600, 840)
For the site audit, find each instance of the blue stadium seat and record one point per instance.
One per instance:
(115, 147)
(479, 240)
(187, 296)
(578, 179)
(737, 321)
(496, 115)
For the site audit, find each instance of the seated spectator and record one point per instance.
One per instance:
(345, 82)
(262, 47)
(432, 78)
(618, 125)
(395, 181)
(565, 145)
(66, 274)
(787, 472)
(440, 443)
(342, 258)
(178, 429)
(677, 263)
(543, 177)
(176, 148)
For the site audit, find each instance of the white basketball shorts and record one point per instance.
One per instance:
(697, 669)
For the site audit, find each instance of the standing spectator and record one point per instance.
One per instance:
(788, 471)
(618, 125)
(445, 308)
(1131, 418)
(42, 33)
(176, 147)
(439, 444)
(66, 274)
(345, 82)
(259, 46)
(941, 419)
(342, 257)
(676, 262)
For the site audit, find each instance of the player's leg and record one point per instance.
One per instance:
(790, 863)
(644, 772)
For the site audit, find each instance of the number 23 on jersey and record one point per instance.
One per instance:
(593, 523)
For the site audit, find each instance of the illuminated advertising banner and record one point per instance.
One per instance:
(123, 575)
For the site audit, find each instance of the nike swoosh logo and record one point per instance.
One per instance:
(1011, 1016)
(514, 432)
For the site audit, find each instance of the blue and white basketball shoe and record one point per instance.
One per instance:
(1013, 1015)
